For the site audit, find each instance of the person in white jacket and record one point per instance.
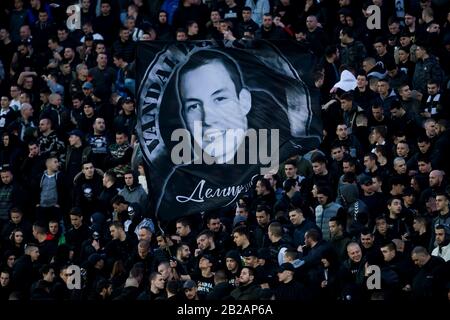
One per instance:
(443, 242)
(259, 8)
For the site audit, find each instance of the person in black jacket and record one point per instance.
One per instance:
(142, 255)
(427, 283)
(289, 289)
(5, 284)
(17, 221)
(42, 289)
(222, 288)
(300, 225)
(79, 232)
(352, 274)
(87, 188)
(265, 195)
(269, 31)
(124, 45)
(33, 166)
(260, 230)
(25, 270)
(12, 194)
(47, 248)
(121, 244)
(396, 271)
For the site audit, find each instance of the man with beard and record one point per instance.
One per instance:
(221, 238)
(233, 267)
(442, 236)
(99, 141)
(206, 245)
(248, 289)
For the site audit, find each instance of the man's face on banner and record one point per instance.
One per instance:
(210, 98)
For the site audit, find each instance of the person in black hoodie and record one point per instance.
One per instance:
(233, 263)
(266, 268)
(323, 281)
(163, 30)
(357, 211)
(133, 191)
(95, 267)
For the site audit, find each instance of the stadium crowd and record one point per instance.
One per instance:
(374, 195)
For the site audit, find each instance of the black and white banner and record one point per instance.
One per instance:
(212, 118)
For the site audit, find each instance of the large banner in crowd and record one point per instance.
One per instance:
(213, 117)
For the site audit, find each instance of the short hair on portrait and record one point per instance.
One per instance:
(204, 57)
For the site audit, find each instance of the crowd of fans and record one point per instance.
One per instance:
(374, 195)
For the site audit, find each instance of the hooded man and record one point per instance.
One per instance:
(357, 210)
(133, 191)
(442, 236)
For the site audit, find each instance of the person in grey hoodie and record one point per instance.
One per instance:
(133, 191)
(357, 211)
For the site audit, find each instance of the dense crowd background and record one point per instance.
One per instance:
(74, 191)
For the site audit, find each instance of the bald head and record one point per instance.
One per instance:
(354, 252)
(435, 178)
